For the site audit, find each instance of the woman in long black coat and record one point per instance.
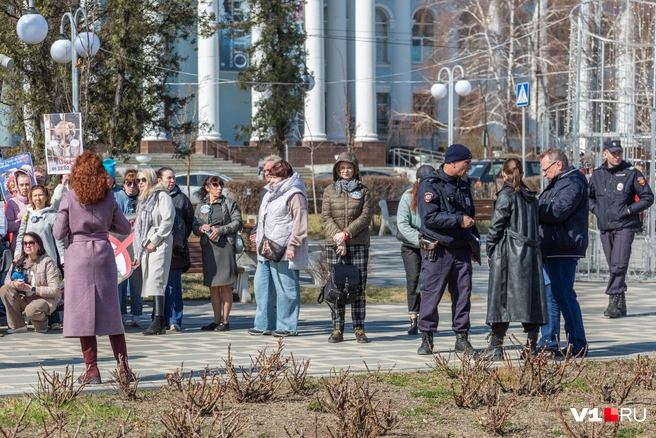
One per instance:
(516, 286)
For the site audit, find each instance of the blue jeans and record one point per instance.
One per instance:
(278, 297)
(562, 273)
(173, 304)
(133, 284)
(551, 332)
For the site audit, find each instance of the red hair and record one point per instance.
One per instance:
(89, 179)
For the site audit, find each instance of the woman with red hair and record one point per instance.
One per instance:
(87, 213)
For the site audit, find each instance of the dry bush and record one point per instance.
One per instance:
(646, 368)
(203, 395)
(498, 413)
(261, 380)
(615, 390)
(377, 375)
(319, 269)
(588, 429)
(296, 374)
(301, 433)
(472, 379)
(126, 381)
(181, 422)
(353, 403)
(19, 427)
(55, 390)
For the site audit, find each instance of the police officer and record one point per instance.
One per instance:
(612, 195)
(446, 209)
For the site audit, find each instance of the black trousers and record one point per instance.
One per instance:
(617, 248)
(501, 328)
(412, 263)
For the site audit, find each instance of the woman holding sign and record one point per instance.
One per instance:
(86, 215)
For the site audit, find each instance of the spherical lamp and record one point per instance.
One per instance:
(87, 44)
(308, 82)
(463, 87)
(61, 51)
(32, 28)
(438, 91)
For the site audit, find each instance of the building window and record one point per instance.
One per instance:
(382, 112)
(382, 35)
(423, 103)
(422, 35)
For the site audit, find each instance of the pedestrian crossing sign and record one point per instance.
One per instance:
(522, 94)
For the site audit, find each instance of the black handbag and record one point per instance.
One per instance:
(269, 249)
(343, 285)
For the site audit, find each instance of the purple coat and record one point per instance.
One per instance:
(91, 292)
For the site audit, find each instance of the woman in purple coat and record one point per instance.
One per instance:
(86, 215)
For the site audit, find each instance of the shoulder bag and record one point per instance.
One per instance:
(269, 249)
(343, 285)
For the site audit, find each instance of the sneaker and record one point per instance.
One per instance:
(256, 332)
(17, 330)
(209, 327)
(136, 321)
(175, 328)
(283, 333)
(222, 327)
(56, 326)
(336, 336)
(360, 337)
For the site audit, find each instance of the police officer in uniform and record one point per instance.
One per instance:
(448, 231)
(612, 196)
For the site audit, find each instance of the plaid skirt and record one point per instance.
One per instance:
(357, 255)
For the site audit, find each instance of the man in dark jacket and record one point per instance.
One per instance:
(446, 208)
(614, 187)
(564, 239)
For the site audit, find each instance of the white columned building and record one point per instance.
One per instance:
(315, 105)
(365, 71)
(336, 65)
(208, 78)
(402, 86)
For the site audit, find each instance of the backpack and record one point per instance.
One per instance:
(343, 285)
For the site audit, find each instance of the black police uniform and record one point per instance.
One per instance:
(442, 202)
(612, 197)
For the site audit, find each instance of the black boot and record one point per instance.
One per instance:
(622, 306)
(532, 342)
(495, 349)
(413, 326)
(613, 311)
(158, 327)
(426, 347)
(462, 343)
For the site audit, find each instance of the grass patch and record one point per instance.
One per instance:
(419, 411)
(579, 384)
(630, 432)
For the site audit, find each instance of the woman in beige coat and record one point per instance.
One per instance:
(32, 287)
(153, 243)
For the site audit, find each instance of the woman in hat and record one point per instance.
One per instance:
(409, 221)
(345, 216)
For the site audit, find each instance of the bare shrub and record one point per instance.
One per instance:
(203, 395)
(588, 429)
(126, 381)
(301, 433)
(55, 390)
(187, 423)
(497, 412)
(472, 379)
(261, 380)
(615, 390)
(353, 403)
(296, 374)
(377, 375)
(19, 427)
(646, 368)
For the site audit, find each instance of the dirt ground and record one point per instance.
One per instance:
(495, 400)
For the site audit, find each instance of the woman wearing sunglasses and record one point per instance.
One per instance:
(31, 287)
(86, 215)
(153, 244)
(130, 187)
(217, 221)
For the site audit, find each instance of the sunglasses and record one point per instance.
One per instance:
(141, 180)
(29, 242)
(216, 184)
(129, 183)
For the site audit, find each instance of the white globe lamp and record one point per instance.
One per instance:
(463, 87)
(87, 44)
(61, 51)
(32, 28)
(438, 91)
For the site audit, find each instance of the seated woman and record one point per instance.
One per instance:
(31, 287)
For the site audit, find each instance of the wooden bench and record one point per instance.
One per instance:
(484, 209)
(388, 211)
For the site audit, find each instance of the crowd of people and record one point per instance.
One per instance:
(533, 246)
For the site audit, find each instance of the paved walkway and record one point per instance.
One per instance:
(22, 354)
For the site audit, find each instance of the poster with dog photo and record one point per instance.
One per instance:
(63, 141)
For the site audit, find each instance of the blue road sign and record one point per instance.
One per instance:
(522, 94)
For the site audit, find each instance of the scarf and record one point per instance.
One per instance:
(144, 217)
(347, 186)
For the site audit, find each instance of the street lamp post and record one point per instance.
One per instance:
(63, 50)
(462, 87)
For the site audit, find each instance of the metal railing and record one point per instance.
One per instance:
(416, 157)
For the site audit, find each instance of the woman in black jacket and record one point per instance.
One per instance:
(516, 286)
(180, 261)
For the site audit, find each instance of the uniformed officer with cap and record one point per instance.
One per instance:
(447, 224)
(612, 196)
